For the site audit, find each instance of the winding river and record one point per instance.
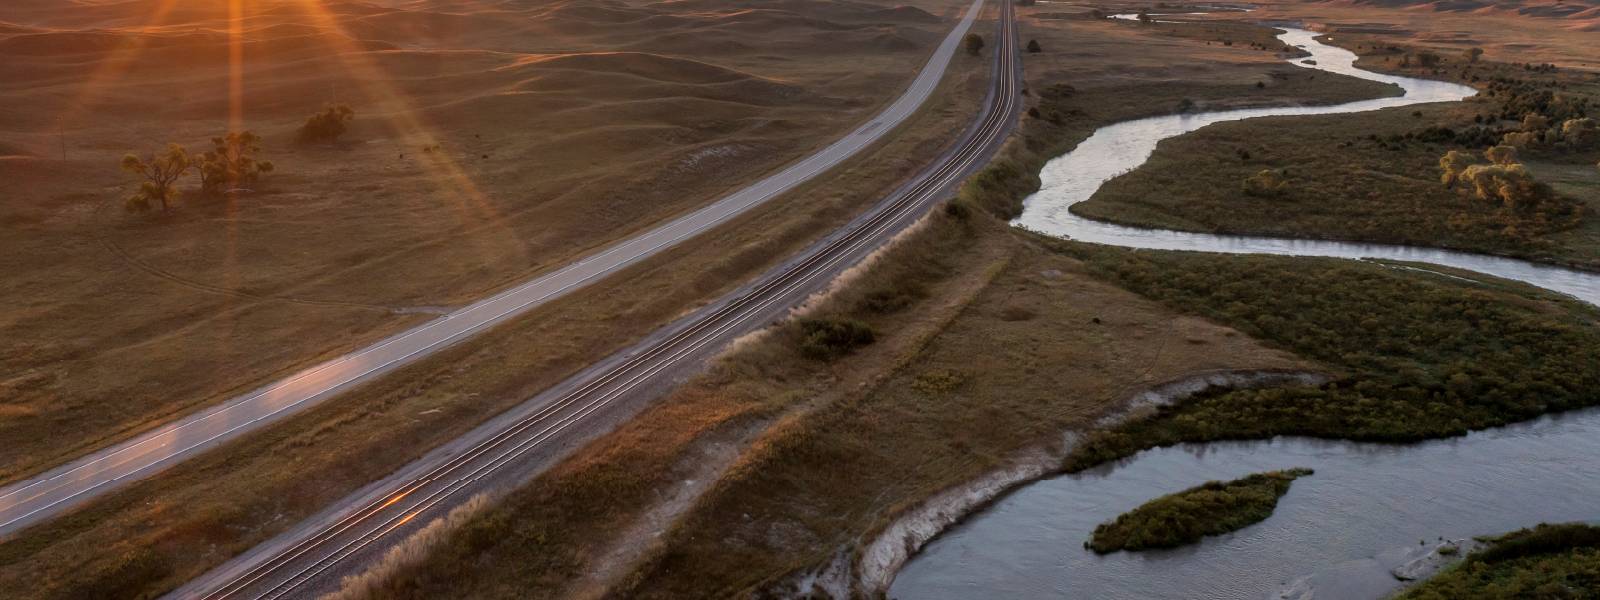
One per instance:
(1117, 149)
(1337, 534)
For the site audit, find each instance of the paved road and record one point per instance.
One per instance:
(32, 500)
(310, 559)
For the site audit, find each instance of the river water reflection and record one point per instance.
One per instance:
(1338, 531)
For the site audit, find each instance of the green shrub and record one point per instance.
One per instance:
(830, 338)
(1548, 561)
(1212, 508)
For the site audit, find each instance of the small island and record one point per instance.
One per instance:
(1212, 508)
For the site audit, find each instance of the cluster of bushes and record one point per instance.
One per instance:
(1421, 359)
(1212, 508)
(1547, 561)
(1571, 135)
(829, 338)
(1507, 183)
(230, 165)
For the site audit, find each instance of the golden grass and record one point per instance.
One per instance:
(206, 510)
(544, 140)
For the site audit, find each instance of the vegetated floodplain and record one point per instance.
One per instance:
(1511, 171)
(1211, 508)
(1547, 561)
(1422, 356)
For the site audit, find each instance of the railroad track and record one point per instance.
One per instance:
(505, 451)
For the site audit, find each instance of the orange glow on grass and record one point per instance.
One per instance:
(402, 116)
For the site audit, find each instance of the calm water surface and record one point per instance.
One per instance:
(1364, 510)
(1339, 531)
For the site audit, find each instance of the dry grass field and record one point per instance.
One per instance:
(1560, 32)
(492, 140)
(159, 532)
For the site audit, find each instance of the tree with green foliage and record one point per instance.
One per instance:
(326, 126)
(231, 163)
(157, 177)
(973, 43)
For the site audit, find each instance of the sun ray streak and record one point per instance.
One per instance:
(452, 181)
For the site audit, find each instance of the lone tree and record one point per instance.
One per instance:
(231, 163)
(326, 126)
(974, 43)
(157, 176)
(1473, 54)
(1033, 47)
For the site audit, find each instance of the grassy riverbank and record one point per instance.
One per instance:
(1375, 176)
(1212, 508)
(1548, 561)
(1423, 355)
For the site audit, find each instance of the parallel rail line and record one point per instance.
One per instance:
(287, 570)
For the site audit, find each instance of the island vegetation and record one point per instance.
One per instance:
(1547, 561)
(1211, 508)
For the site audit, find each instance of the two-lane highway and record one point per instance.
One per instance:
(309, 559)
(29, 501)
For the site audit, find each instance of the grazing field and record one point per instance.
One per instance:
(1211, 508)
(1376, 176)
(1548, 561)
(490, 142)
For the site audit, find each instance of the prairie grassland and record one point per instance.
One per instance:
(492, 141)
(160, 532)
